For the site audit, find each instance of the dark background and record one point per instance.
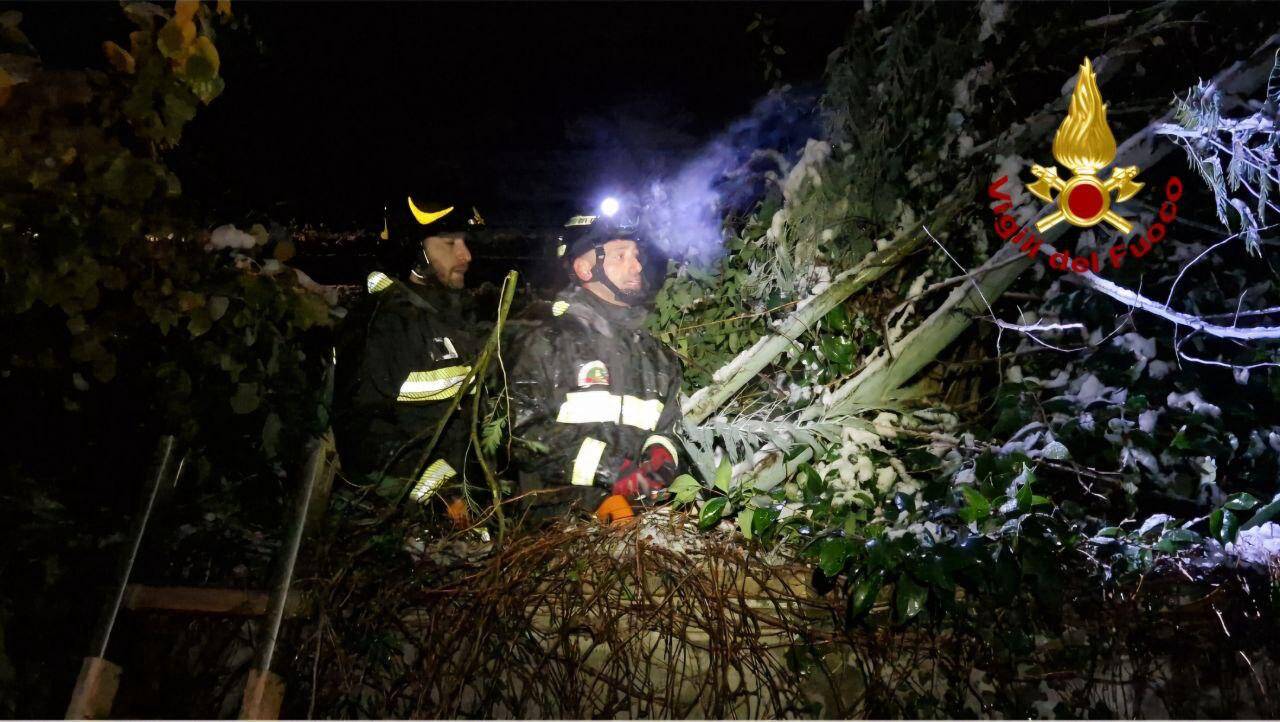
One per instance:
(528, 110)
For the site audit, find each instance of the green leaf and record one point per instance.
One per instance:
(200, 322)
(1244, 501)
(1262, 516)
(834, 553)
(1230, 527)
(686, 488)
(864, 596)
(723, 475)
(910, 599)
(711, 512)
(271, 435)
(1215, 523)
(1024, 498)
(218, 307)
(977, 507)
(246, 399)
(1181, 536)
(1110, 531)
(745, 519)
(812, 480)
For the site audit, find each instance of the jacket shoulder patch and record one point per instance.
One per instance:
(593, 373)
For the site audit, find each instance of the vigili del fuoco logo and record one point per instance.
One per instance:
(1085, 146)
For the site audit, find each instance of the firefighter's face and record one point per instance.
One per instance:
(623, 266)
(449, 257)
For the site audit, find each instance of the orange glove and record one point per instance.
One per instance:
(458, 513)
(614, 509)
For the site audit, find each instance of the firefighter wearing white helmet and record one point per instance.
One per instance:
(591, 384)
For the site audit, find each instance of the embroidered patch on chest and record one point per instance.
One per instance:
(593, 373)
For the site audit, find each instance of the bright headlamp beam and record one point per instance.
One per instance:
(609, 206)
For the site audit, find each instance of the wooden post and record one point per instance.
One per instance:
(263, 695)
(95, 689)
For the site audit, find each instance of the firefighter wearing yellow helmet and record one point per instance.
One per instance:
(404, 354)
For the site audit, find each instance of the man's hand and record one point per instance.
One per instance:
(655, 472)
(459, 514)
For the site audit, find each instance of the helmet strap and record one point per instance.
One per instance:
(603, 279)
(422, 268)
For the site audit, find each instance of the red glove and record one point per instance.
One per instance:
(656, 471)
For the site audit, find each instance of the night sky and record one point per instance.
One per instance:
(527, 110)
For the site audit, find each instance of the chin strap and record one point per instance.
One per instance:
(629, 298)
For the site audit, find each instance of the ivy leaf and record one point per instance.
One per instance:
(200, 322)
(246, 399)
(724, 473)
(271, 434)
(745, 519)
(834, 553)
(1181, 536)
(977, 506)
(864, 596)
(812, 481)
(218, 307)
(1215, 523)
(911, 598)
(711, 512)
(1244, 501)
(1262, 516)
(1230, 527)
(686, 488)
(1024, 497)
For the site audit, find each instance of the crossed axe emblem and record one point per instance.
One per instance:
(1084, 200)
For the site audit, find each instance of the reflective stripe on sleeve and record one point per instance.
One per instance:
(587, 461)
(664, 442)
(377, 282)
(433, 385)
(438, 473)
(589, 407)
(641, 413)
(559, 307)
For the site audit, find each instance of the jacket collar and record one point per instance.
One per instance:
(601, 315)
(441, 297)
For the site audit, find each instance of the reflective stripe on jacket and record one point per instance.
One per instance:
(593, 385)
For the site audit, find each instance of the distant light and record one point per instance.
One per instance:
(609, 206)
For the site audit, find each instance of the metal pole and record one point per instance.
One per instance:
(284, 575)
(99, 647)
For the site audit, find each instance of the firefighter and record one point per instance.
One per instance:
(592, 385)
(404, 354)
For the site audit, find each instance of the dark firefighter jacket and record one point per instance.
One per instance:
(596, 388)
(402, 356)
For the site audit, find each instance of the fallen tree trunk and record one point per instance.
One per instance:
(734, 375)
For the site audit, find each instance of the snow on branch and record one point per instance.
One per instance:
(1246, 146)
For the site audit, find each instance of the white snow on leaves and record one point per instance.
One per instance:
(1191, 401)
(1259, 545)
